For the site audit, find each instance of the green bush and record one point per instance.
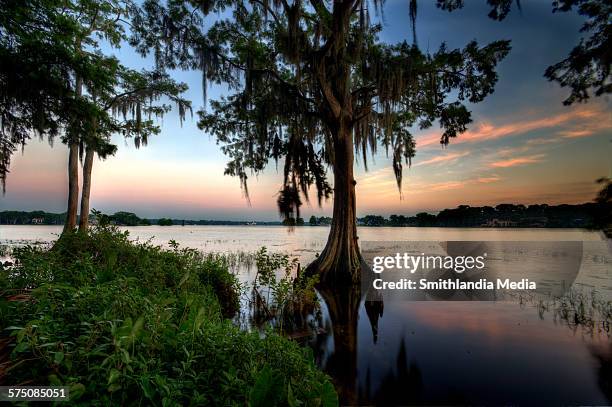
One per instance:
(126, 323)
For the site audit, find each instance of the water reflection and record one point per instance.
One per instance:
(398, 353)
(603, 356)
(343, 308)
(374, 309)
(406, 353)
(402, 385)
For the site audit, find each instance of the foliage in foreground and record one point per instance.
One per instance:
(133, 324)
(286, 299)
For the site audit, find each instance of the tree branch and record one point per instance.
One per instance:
(122, 95)
(268, 9)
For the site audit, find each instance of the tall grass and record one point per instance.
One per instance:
(579, 309)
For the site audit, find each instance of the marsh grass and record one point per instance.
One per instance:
(578, 309)
(130, 323)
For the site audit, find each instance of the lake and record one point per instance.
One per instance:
(432, 352)
(299, 241)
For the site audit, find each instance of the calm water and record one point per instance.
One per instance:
(301, 240)
(398, 353)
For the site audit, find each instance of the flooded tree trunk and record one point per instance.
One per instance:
(340, 261)
(87, 169)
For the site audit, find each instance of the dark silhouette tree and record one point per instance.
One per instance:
(123, 100)
(57, 81)
(312, 83)
(586, 70)
(38, 63)
(129, 108)
(603, 211)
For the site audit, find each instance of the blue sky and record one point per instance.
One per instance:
(523, 147)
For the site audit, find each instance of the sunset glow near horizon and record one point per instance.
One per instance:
(524, 146)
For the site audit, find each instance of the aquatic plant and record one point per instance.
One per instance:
(281, 292)
(577, 309)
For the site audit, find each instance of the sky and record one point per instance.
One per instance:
(524, 146)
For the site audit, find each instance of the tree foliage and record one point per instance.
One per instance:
(57, 81)
(37, 64)
(303, 75)
(586, 70)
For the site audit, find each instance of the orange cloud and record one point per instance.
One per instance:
(576, 133)
(444, 186)
(442, 158)
(594, 119)
(487, 180)
(448, 185)
(513, 162)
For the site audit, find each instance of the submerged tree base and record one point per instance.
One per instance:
(336, 271)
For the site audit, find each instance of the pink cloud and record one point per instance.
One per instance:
(448, 185)
(513, 162)
(589, 118)
(576, 133)
(541, 141)
(487, 180)
(442, 158)
(443, 186)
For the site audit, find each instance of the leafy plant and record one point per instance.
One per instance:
(280, 290)
(124, 323)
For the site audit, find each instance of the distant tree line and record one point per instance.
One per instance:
(209, 222)
(122, 219)
(594, 215)
(587, 215)
(34, 217)
(165, 222)
(47, 218)
(323, 220)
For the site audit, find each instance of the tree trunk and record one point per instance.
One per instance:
(340, 262)
(73, 170)
(73, 187)
(87, 169)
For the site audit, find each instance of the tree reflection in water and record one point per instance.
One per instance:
(400, 378)
(404, 386)
(341, 364)
(603, 356)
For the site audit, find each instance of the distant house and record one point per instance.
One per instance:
(499, 223)
(38, 221)
(535, 222)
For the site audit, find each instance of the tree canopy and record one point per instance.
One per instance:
(586, 70)
(300, 73)
(37, 65)
(58, 79)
